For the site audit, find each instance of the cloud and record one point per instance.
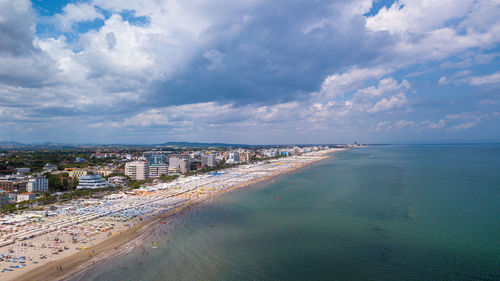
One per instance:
(388, 126)
(76, 13)
(443, 81)
(437, 125)
(22, 63)
(350, 80)
(463, 126)
(393, 102)
(321, 68)
(414, 16)
(460, 121)
(485, 79)
(16, 37)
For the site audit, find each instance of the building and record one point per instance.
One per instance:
(49, 168)
(178, 164)
(104, 155)
(22, 171)
(246, 156)
(11, 183)
(108, 170)
(37, 184)
(137, 170)
(156, 170)
(234, 157)
(157, 159)
(25, 197)
(92, 182)
(80, 160)
(208, 160)
(4, 197)
(118, 180)
(77, 173)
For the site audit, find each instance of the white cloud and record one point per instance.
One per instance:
(439, 125)
(463, 126)
(417, 16)
(388, 126)
(482, 80)
(393, 102)
(350, 80)
(76, 13)
(443, 81)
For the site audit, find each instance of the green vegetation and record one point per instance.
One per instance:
(137, 184)
(61, 182)
(165, 178)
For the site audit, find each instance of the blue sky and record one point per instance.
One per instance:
(245, 71)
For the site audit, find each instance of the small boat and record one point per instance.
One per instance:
(277, 198)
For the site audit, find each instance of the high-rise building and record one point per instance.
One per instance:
(234, 157)
(37, 184)
(246, 156)
(157, 159)
(208, 160)
(179, 163)
(137, 170)
(156, 170)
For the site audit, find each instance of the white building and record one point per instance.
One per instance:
(179, 164)
(234, 157)
(108, 170)
(37, 184)
(118, 180)
(270, 153)
(92, 182)
(22, 171)
(208, 160)
(49, 168)
(137, 170)
(156, 170)
(25, 197)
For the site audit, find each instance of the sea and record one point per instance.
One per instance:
(388, 212)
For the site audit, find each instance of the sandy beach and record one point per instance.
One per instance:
(78, 238)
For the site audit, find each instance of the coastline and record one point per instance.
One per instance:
(80, 262)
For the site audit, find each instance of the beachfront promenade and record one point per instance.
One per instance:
(30, 241)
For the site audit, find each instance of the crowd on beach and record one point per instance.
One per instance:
(37, 240)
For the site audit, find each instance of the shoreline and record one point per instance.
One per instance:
(78, 263)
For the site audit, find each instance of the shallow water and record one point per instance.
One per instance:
(428, 212)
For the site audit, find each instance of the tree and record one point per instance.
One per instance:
(55, 183)
(8, 208)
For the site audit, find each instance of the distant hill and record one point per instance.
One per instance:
(203, 144)
(52, 145)
(10, 143)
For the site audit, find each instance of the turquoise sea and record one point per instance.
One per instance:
(409, 212)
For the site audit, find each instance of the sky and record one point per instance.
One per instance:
(253, 72)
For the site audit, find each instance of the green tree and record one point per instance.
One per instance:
(55, 183)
